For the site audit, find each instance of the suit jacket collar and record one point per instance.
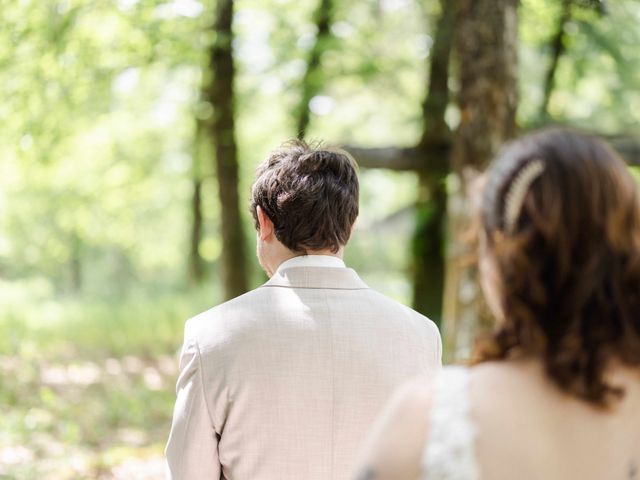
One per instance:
(312, 261)
(317, 277)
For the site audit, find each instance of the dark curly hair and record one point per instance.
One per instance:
(568, 265)
(310, 194)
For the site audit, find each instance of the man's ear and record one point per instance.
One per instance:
(265, 224)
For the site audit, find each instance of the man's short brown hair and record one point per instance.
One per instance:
(310, 194)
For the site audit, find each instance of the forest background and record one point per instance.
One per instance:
(131, 130)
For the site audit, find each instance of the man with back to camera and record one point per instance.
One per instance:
(283, 382)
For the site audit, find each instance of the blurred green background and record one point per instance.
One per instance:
(105, 120)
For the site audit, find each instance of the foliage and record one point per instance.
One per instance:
(98, 127)
(91, 172)
(98, 122)
(594, 87)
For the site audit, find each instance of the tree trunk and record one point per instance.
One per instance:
(196, 262)
(433, 148)
(75, 263)
(312, 80)
(196, 265)
(557, 49)
(428, 245)
(486, 44)
(220, 93)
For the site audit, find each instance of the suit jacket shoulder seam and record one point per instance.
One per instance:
(204, 396)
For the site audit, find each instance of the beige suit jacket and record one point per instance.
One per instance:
(283, 383)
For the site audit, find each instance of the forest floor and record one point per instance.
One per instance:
(85, 419)
(89, 394)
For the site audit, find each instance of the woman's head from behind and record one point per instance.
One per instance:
(560, 259)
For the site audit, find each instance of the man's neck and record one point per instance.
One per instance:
(339, 254)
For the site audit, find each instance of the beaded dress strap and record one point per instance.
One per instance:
(450, 453)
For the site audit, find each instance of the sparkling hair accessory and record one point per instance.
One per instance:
(518, 190)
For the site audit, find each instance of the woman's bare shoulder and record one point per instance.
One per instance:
(508, 374)
(395, 446)
(503, 384)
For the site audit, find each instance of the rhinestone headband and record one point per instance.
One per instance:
(518, 191)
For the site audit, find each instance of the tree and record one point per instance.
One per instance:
(557, 48)
(196, 262)
(489, 62)
(558, 45)
(429, 235)
(487, 103)
(486, 47)
(312, 80)
(429, 158)
(431, 154)
(220, 94)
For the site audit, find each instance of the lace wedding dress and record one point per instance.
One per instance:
(450, 453)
